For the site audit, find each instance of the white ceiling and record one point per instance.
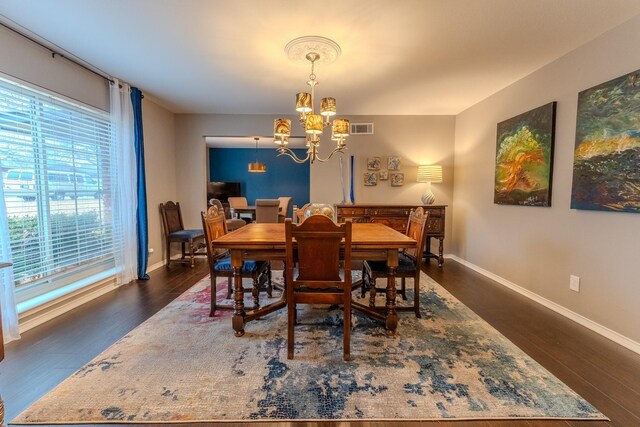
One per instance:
(398, 57)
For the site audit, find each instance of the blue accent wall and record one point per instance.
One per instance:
(284, 177)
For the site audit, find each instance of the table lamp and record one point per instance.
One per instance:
(429, 174)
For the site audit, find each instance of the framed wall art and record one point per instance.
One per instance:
(373, 163)
(383, 175)
(393, 163)
(370, 179)
(397, 179)
(524, 158)
(606, 160)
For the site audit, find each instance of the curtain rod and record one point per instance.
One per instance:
(55, 53)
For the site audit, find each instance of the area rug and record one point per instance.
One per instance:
(182, 366)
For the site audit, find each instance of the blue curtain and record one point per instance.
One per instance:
(142, 227)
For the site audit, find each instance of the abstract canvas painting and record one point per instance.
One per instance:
(524, 158)
(606, 162)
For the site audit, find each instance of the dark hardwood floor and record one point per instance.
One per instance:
(604, 373)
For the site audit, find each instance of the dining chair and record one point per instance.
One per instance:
(318, 280)
(174, 232)
(267, 210)
(232, 223)
(285, 204)
(239, 203)
(298, 213)
(409, 265)
(214, 225)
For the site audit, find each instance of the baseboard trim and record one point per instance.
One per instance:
(43, 313)
(571, 315)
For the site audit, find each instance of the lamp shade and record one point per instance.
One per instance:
(328, 106)
(340, 127)
(281, 127)
(257, 167)
(303, 102)
(313, 124)
(429, 173)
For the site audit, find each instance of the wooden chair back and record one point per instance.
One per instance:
(218, 204)
(214, 226)
(267, 210)
(237, 202)
(171, 217)
(298, 213)
(416, 229)
(285, 204)
(319, 242)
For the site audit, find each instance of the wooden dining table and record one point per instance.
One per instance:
(266, 242)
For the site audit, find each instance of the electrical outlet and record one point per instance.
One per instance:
(574, 283)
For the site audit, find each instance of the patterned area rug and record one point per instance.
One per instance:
(181, 365)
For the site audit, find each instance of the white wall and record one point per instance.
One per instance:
(538, 248)
(160, 167)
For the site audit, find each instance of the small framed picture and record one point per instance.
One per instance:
(373, 163)
(397, 179)
(383, 175)
(370, 179)
(393, 163)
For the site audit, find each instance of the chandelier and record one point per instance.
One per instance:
(313, 49)
(257, 167)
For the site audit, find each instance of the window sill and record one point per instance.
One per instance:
(38, 310)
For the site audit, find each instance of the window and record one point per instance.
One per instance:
(57, 168)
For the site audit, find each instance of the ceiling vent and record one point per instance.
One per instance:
(361, 128)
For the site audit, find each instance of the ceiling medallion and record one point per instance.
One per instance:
(327, 50)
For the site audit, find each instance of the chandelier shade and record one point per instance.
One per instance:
(313, 49)
(257, 167)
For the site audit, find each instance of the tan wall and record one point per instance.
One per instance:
(160, 167)
(24, 60)
(415, 139)
(538, 248)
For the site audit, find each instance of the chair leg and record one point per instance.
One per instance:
(416, 295)
(347, 328)
(182, 244)
(229, 287)
(213, 296)
(191, 257)
(168, 246)
(291, 313)
(255, 291)
(372, 291)
(403, 289)
(269, 285)
(363, 284)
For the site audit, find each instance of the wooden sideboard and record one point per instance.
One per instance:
(396, 217)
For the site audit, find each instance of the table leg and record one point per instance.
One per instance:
(440, 252)
(238, 297)
(390, 308)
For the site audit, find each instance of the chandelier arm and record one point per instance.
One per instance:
(283, 151)
(335, 150)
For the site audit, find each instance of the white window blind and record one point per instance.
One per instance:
(57, 167)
